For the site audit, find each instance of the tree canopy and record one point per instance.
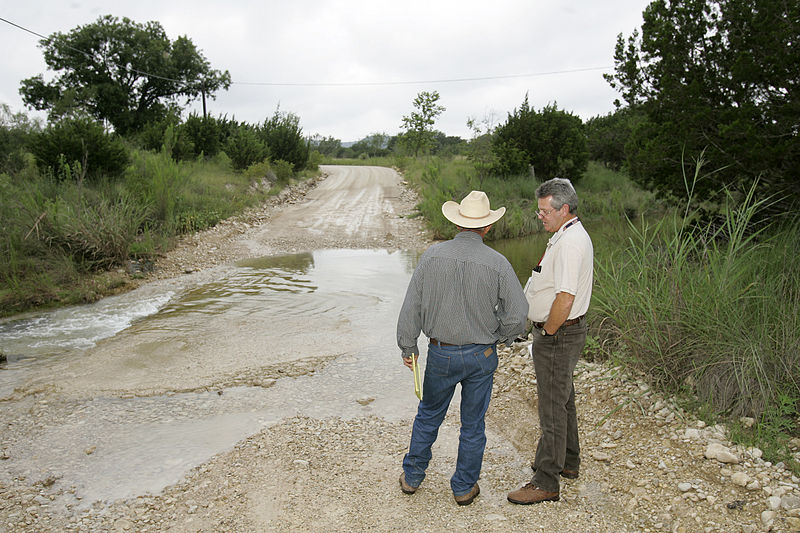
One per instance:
(419, 132)
(123, 72)
(719, 77)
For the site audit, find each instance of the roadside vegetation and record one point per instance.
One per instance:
(84, 210)
(689, 190)
(705, 309)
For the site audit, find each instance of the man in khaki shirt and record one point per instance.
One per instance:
(558, 293)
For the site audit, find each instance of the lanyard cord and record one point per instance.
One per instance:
(566, 227)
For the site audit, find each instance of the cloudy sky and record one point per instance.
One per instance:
(351, 68)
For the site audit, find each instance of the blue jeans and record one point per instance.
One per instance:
(473, 366)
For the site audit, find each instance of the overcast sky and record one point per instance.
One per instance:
(351, 68)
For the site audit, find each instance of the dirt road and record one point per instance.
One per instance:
(645, 461)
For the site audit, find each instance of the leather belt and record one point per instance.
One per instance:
(439, 343)
(570, 322)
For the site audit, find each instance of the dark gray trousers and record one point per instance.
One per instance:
(554, 358)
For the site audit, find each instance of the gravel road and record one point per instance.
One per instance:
(647, 465)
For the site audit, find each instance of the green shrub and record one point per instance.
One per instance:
(82, 146)
(158, 182)
(314, 160)
(262, 170)
(283, 136)
(245, 147)
(284, 171)
(95, 231)
(205, 134)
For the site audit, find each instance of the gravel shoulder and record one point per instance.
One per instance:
(647, 465)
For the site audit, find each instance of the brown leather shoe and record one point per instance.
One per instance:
(405, 487)
(467, 498)
(570, 474)
(530, 493)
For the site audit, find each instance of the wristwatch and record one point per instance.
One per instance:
(544, 333)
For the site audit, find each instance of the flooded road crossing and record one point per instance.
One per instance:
(149, 385)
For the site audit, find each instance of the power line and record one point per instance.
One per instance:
(88, 55)
(350, 84)
(420, 82)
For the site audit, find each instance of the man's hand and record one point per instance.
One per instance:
(407, 361)
(559, 312)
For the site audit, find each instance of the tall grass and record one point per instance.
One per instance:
(64, 242)
(709, 309)
(604, 195)
(55, 234)
(712, 310)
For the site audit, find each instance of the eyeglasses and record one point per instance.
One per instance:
(545, 212)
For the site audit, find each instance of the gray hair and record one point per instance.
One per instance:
(562, 191)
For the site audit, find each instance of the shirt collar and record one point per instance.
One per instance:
(564, 227)
(468, 235)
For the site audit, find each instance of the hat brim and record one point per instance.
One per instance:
(450, 210)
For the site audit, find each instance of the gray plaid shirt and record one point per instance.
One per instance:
(462, 292)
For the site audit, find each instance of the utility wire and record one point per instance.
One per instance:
(346, 84)
(89, 56)
(419, 82)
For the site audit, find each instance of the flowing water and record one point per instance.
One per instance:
(101, 446)
(104, 446)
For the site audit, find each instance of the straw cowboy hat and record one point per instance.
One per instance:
(472, 212)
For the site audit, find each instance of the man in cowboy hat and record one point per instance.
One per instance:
(465, 297)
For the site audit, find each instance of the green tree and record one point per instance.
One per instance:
(16, 131)
(447, 145)
(418, 126)
(550, 143)
(479, 149)
(373, 145)
(716, 77)
(607, 136)
(120, 71)
(283, 137)
(327, 146)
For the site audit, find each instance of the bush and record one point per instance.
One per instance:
(245, 147)
(158, 182)
(155, 135)
(284, 137)
(96, 231)
(712, 309)
(79, 148)
(551, 142)
(283, 171)
(204, 133)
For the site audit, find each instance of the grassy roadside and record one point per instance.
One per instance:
(66, 242)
